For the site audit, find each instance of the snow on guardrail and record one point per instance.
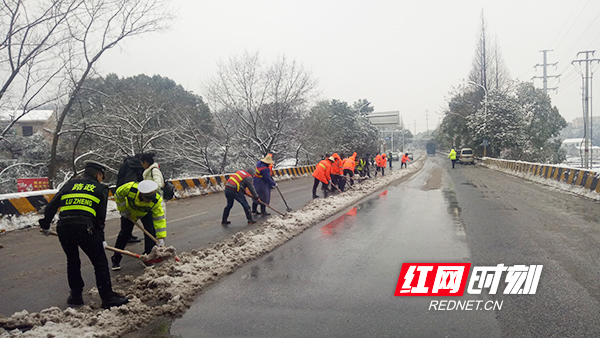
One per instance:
(22, 210)
(578, 181)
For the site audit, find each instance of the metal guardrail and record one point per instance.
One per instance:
(35, 203)
(587, 179)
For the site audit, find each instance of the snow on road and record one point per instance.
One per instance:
(169, 288)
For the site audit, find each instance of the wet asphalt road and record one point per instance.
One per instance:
(338, 278)
(33, 267)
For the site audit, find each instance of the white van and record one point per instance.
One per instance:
(466, 156)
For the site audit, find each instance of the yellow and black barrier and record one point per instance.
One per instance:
(587, 179)
(35, 202)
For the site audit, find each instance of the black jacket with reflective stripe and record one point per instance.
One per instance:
(81, 201)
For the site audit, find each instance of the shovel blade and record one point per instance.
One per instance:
(152, 261)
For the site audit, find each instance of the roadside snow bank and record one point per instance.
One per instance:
(169, 288)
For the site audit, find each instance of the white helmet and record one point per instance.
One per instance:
(146, 187)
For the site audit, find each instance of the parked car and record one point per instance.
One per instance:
(466, 156)
(395, 157)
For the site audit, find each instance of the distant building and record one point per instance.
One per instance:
(35, 121)
(387, 123)
(576, 148)
(578, 122)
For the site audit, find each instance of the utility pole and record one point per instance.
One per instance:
(427, 121)
(403, 129)
(587, 126)
(545, 75)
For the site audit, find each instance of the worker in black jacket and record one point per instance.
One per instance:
(82, 203)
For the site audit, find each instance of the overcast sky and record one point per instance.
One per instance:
(400, 55)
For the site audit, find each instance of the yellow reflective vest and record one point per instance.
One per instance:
(452, 155)
(128, 199)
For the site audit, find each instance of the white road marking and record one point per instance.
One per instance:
(186, 217)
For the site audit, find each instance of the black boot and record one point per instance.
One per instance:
(116, 263)
(75, 299)
(249, 216)
(114, 300)
(134, 239)
(225, 217)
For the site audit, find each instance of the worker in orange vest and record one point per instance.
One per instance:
(336, 171)
(348, 166)
(382, 164)
(377, 161)
(404, 161)
(322, 174)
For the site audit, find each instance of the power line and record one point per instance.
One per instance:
(581, 36)
(565, 23)
(573, 24)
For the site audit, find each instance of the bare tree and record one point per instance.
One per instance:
(98, 26)
(196, 142)
(267, 102)
(32, 33)
(488, 68)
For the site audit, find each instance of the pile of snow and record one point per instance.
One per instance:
(563, 186)
(169, 288)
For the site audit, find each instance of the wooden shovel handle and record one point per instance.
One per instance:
(147, 232)
(263, 203)
(123, 252)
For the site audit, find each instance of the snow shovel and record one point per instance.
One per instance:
(263, 203)
(338, 189)
(348, 180)
(123, 252)
(153, 238)
(129, 253)
(288, 209)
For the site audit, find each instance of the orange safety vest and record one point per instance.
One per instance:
(336, 166)
(383, 161)
(405, 158)
(238, 177)
(349, 163)
(322, 171)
